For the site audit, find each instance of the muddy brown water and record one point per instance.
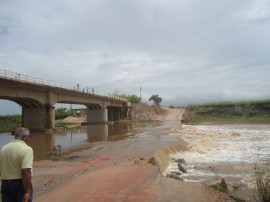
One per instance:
(97, 137)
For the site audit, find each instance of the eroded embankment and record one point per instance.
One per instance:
(162, 155)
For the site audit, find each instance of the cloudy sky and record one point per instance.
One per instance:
(186, 51)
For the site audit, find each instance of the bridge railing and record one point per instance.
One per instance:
(35, 80)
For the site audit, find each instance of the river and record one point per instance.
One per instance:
(78, 138)
(222, 151)
(214, 151)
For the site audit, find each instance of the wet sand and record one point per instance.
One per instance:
(119, 171)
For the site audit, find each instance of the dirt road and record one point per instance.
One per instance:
(120, 172)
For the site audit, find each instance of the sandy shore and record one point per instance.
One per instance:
(119, 172)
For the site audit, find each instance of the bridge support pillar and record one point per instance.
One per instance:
(38, 118)
(97, 115)
(115, 114)
(110, 115)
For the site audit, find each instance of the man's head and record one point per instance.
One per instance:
(22, 134)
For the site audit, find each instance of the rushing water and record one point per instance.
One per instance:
(222, 151)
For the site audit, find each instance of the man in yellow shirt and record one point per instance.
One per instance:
(16, 162)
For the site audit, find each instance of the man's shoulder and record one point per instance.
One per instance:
(29, 148)
(5, 146)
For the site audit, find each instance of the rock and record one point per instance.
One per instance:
(223, 184)
(182, 161)
(181, 168)
(142, 111)
(56, 153)
(182, 165)
(153, 161)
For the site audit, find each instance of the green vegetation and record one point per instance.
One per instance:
(156, 100)
(9, 123)
(220, 187)
(62, 113)
(229, 112)
(262, 173)
(132, 98)
(12, 122)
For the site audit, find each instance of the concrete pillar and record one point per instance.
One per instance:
(110, 115)
(34, 118)
(125, 113)
(119, 114)
(97, 115)
(114, 115)
(50, 117)
(38, 118)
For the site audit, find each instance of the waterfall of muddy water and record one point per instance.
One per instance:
(221, 151)
(162, 155)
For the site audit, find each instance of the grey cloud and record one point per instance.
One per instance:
(186, 51)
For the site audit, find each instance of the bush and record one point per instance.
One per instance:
(262, 174)
(131, 98)
(9, 122)
(62, 113)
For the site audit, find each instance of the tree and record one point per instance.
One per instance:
(133, 98)
(130, 98)
(156, 99)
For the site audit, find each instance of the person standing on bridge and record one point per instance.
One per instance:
(16, 162)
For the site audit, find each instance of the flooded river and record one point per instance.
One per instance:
(79, 137)
(223, 151)
(214, 151)
(96, 135)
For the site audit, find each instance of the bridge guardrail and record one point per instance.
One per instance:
(35, 80)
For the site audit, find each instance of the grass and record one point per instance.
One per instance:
(9, 122)
(262, 173)
(231, 103)
(220, 188)
(229, 112)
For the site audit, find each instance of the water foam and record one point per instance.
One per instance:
(222, 151)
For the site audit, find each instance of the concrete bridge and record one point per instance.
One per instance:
(37, 98)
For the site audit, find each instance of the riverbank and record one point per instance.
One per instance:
(229, 112)
(120, 171)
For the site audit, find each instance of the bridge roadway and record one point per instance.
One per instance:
(37, 99)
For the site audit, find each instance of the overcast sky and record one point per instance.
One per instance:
(186, 51)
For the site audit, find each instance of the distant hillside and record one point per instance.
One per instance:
(229, 112)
